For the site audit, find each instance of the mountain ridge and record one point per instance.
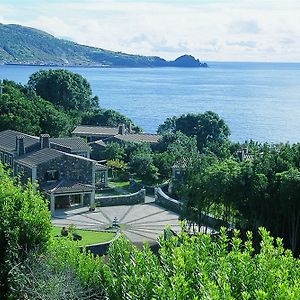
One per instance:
(20, 45)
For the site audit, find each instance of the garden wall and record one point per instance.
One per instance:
(165, 201)
(135, 198)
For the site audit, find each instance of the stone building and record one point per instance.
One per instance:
(62, 167)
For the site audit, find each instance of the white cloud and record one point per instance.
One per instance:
(210, 30)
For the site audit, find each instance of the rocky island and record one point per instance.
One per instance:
(21, 45)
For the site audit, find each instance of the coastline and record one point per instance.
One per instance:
(203, 65)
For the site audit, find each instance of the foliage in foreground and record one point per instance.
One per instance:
(24, 224)
(62, 272)
(202, 267)
(198, 267)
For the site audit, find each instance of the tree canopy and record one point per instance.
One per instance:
(24, 111)
(65, 89)
(207, 127)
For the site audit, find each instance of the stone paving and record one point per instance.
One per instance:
(140, 223)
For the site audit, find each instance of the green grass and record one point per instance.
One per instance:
(119, 184)
(89, 237)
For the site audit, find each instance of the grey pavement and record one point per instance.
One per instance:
(140, 223)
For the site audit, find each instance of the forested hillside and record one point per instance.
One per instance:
(24, 45)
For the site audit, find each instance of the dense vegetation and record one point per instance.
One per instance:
(263, 191)
(54, 102)
(181, 138)
(198, 267)
(24, 224)
(24, 45)
(259, 191)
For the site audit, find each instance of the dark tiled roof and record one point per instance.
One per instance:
(40, 156)
(73, 143)
(95, 130)
(138, 137)
(66, 186)
(8, 139)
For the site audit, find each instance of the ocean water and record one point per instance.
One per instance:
(259, 101)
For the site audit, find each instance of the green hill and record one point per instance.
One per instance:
(29, 46)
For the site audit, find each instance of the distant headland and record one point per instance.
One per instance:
(21, 45)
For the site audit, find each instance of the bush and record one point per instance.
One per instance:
(202, 267)
(24, 223)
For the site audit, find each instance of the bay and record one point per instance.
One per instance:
(259, 101)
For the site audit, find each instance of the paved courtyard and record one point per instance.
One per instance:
(141, 222)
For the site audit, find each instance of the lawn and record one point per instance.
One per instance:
(119, 184)
(89, 237)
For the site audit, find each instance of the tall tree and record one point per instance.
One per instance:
(289, 191)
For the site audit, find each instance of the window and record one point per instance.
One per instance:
(22, 169)
(52, 175)
(5, 158)
(10, 160)
(1, 156)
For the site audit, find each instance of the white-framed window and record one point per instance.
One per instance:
(1, 156)
(5, 158)
(22, 169)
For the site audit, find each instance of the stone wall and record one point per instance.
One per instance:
(135, 198)
(134, 185)
(23, 171)
(69, 167)
(174, 205)
(165, 201)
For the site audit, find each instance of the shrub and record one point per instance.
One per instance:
(24, 223)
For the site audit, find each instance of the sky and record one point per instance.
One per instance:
(221, 30)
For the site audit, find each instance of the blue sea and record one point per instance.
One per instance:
(259, 101)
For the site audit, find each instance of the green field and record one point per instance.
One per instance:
(89, 237)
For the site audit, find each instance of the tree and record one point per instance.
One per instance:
(142, 165)
(207, 128)
(173, 148)
(66, 90)
(223, 185)
(194, 187)
(114, 151)
(24, 224)
(29, 113)
(107, 117)
(289, 191)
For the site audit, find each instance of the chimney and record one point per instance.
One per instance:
(122, 129)
(45, 141)
(20, 148)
